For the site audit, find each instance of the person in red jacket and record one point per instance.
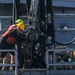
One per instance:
(9, 38)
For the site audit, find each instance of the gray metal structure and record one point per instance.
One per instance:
(64, 24)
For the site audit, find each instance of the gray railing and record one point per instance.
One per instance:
(16, 60)
(51, 62)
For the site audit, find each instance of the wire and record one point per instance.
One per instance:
(68, 43)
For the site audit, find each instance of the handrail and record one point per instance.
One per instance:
(54, 63)
(16, 61)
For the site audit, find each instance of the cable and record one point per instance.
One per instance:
(68, 43)
(65, 43)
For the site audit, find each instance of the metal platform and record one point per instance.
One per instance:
(39, 72)
(25, 72)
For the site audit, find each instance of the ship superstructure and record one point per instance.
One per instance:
(49, 48)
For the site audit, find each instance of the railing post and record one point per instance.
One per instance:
(16, 60)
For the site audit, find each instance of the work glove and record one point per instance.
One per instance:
(12, 27)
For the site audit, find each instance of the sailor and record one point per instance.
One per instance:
(9, 38)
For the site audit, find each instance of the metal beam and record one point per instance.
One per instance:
(16, 6)
(50, 21)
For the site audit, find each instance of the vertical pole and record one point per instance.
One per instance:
(43, 23)
(50, 25)
(16, 6)
(47, 62)
(33, 15)
(28, 4)
(50, 21)
(16, 61)
(42, 10)
(17, 10)
(42, 19)
(13, 20)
